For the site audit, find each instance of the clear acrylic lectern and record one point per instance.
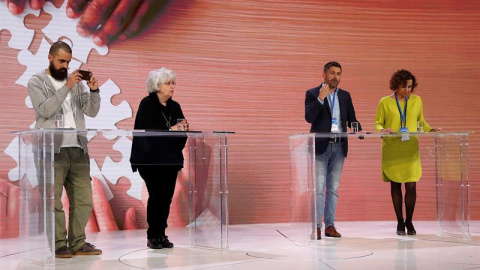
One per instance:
(449, 151)
(207, 186)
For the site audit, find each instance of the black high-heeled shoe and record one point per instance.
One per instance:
(400, 228)
(410, 228)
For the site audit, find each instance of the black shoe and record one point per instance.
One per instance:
(154, 243)
(410, 228)
(401, 228)
(165, 242)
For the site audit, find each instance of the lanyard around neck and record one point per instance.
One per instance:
(332, 100)
(403, 115)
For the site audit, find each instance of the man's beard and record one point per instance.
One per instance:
(333, 83)
(58, 74)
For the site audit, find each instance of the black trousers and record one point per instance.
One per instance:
(160, 181)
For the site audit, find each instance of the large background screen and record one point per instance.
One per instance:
(244, 66)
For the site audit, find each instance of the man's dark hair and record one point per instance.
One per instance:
(400, 78)
(59, 45)
(331, 64)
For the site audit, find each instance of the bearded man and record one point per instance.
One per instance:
(60, 101)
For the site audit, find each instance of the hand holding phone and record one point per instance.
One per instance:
(86, 75)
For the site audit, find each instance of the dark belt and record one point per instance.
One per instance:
(335, 140)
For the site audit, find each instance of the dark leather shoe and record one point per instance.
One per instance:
(154, 243)
(319, 233)
(330, 231)
(165, 242)
(63, 252)
(87, 249)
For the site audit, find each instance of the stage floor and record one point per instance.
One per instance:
(364, 245)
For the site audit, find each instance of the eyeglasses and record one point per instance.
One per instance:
(170, 83)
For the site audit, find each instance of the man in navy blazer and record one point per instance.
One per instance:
(330, 110)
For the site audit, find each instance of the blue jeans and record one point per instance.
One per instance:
(329, 166)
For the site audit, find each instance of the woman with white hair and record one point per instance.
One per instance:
(159, 159)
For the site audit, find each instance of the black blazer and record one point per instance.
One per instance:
(320, 116)
(152, 116)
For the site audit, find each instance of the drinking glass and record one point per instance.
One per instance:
(420, 126)
(355, 127)
(180, 125)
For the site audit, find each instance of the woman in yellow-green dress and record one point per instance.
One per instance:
(401, 112)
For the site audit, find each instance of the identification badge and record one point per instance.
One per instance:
(335, 125)
(405, 135)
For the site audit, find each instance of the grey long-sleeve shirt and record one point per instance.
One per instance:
(47, 102)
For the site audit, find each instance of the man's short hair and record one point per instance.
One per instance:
(59, 45)
(331, 64)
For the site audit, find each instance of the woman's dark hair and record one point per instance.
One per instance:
(400, 78)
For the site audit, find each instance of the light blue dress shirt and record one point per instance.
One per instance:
(336, 108)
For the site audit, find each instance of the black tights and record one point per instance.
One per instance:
(410, 199)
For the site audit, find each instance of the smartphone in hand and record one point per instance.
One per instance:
(86, 75)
